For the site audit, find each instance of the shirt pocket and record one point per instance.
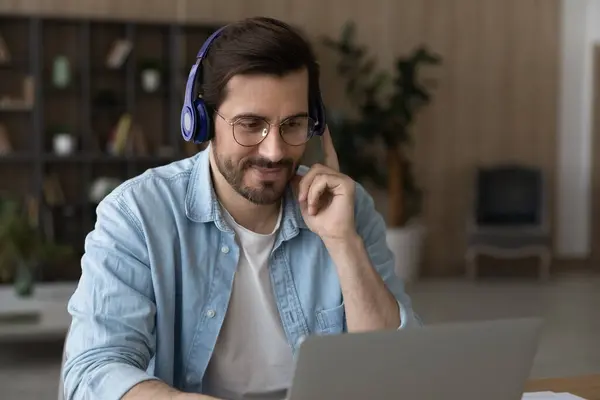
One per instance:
(331, 320)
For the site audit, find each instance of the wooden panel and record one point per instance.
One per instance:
(151, 10)
(462, 141)
(435, 124)
(496, 93)
(595, 225)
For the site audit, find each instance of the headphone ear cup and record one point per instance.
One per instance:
(320, 114)
(202, 133)
(188, 122)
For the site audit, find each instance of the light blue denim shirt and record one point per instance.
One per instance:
(157, 274)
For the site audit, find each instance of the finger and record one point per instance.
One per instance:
(317, 191)
(307, 179)
(329, 153)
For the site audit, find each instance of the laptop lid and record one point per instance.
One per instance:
(465, 361)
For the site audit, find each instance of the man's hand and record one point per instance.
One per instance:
(158, 390)
(326, 197)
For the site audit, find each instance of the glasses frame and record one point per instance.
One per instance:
(279, 130)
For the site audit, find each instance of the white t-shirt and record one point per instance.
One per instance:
(252, 356)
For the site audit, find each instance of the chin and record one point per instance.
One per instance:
(264, 192)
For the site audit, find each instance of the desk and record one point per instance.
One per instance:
(587, 386)
(39, 317)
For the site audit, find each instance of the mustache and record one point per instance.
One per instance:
(264, 163)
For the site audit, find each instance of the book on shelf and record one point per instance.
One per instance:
(29, 90)
(127, 138)
(25, 102)
(118, 53)
(4, 53)
(137, 142)
(53, 193)
(5, 146)
(118, 139)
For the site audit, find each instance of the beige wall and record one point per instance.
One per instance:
(496, 96)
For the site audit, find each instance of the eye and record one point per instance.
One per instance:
(296, 123)
(249, 123)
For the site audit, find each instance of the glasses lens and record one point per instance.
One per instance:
(297, 130)
(250, 131)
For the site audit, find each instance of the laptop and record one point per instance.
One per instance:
(485, 360)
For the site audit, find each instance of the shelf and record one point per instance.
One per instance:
(16, 158)
(72, 90)
(33, 169)
(104, 70)
(160, 93)
(14, 66)
(103, 158)
(74, 158)
(16, 109)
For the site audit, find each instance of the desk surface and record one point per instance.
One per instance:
(50, 300)
(43, 315)
(587, 386)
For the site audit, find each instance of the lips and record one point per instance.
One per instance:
(269, 172)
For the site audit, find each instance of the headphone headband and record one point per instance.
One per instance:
(208, 42)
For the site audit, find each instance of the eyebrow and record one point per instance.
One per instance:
(254, 115)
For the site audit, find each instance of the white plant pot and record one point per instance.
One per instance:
(64, 144)
(407, 245)
(150, 80)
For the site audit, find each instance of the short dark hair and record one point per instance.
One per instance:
(258, 45)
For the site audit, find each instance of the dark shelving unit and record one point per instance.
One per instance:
(89, 109)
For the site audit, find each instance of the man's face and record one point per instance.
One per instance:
(260, 173)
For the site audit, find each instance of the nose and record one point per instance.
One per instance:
(273, 146)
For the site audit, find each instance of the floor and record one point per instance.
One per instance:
(570, 344)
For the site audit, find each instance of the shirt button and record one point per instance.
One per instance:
(300, 340)
(225, 249)
(210, 313)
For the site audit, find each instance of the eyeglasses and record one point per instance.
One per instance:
(250, 131)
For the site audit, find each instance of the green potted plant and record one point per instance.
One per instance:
(23, 249)
(374, 144)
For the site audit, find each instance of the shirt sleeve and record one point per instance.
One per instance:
(372, 228)
(110, 340)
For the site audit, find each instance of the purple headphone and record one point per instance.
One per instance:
(195, 119)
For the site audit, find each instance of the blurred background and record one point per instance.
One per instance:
(473, 123)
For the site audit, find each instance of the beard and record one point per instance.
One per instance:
(262, 192)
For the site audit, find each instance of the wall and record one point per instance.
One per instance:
(496, 95)
(574, 130)
(594, 148)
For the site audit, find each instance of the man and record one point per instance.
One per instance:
(202, 277)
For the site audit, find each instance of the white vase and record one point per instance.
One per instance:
(407, 245)
(150, 80)
(64, 144)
